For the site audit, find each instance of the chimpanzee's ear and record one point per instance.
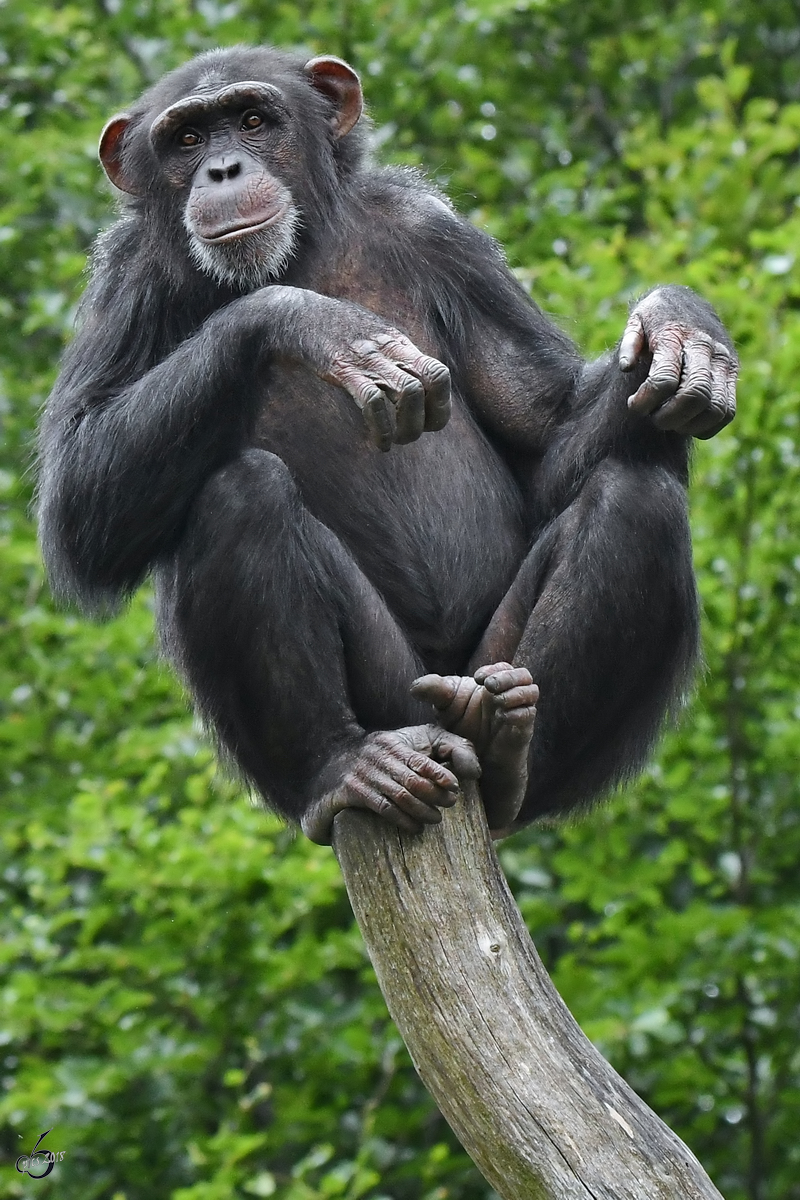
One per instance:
(110, 151)
(340, 84)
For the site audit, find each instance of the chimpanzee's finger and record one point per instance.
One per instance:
(435, 378)
(710, 423)
(448, 693)
(432, 374)
(664, 377)
(724, 373)
(428, 767)
(483, 673)
(417, 797)
(694, 394)
(440, 690)
(502, 676)
(460, 704)
(359, 793)
(459, 753)
(378, 415)
(376, 802)
(633, 343)
(526, 696)
(707, 424)
(422, 789)
(409, 398)
(370, 795)
(722, 408)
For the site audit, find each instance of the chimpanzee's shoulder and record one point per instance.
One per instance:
(416, 216)
(408, 198)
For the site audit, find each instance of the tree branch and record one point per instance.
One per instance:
(540, 1111)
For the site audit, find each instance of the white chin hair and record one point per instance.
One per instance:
(253, 260)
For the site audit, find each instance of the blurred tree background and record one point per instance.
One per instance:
(184, 998)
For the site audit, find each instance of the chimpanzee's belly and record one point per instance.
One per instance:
(436, 526)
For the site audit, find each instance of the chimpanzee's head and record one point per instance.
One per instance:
(245, 147)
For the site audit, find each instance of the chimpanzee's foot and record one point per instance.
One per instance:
(400, 775)
(496, 710)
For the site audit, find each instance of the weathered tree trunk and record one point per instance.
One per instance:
(540, 1111)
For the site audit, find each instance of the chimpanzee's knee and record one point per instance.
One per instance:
(255, 489)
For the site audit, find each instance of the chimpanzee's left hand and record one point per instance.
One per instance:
(691, 385)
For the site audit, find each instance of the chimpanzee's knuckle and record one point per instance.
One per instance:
(405, 800)
(356, 384)
(389, 749)
(411, 388)
(435, 373)
(364, 348)
(356, 786)
(405, 780)
(720, 409)
(515, 721)
(390, 338)
(507, 678)
(380, 804)
(374, 749)
(666, 379)
(671, 336)
(372, 365)
(698, 388)
(397, 348)
(702, 341)
(387, 762)
(392, 788)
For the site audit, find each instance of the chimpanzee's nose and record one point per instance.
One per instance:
(223, 168)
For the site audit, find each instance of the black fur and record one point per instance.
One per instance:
(304, 578)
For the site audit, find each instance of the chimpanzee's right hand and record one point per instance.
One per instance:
(401, 391)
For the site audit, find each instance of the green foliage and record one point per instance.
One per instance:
(184, 998)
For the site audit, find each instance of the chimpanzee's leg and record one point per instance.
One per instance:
(603, 613)
(293, 657)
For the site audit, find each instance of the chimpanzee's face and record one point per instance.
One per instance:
(225, 153)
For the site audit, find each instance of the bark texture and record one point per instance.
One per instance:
(540, 1111)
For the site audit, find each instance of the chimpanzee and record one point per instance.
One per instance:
(271, 314)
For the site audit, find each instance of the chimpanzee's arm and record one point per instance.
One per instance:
(523, 377)
(127, 440)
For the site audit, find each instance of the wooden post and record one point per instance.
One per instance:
(537, 1107)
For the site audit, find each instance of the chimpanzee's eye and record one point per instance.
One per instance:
(189, 137)
(252, 119)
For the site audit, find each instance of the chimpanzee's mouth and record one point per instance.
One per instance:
(231, 233)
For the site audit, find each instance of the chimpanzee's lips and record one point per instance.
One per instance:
(229, 233)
